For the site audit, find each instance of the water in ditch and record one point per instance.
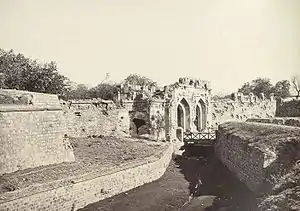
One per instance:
(195, 181)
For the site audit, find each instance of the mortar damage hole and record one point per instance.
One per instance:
(138, 123)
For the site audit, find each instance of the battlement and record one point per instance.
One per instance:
(194, 82)
(240, 97)
(126, 87)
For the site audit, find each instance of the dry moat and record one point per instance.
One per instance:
(199, 173)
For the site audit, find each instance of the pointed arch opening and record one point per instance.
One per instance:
(180, 116)
(183, 115)
(200, 116)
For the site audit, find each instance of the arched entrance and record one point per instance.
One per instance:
(180, 116)
(138, 124)
(183, 115)
(200, 116)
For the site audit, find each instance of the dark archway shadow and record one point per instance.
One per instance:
(207, 176)
(138, 123)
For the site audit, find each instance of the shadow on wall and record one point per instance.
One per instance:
(208, 177)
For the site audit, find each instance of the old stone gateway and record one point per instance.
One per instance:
(40, 132)
(185, 106)
(179, 107)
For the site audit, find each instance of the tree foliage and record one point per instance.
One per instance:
(103, 90)
(19, 72)
(264, 85)
(282, 89)
(246, 89)
(136, 79)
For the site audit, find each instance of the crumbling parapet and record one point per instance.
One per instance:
(240, 97)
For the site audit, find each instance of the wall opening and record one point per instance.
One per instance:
(180, 116)
(138, 124)
(200, 116)
(183, 115)
(198, 121)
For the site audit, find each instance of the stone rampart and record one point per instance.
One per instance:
(31, 131)
(88, 120)
(80, 193)
(243, 160)
(257, 153)
(289, 121)
(241, 108)
(288, 108)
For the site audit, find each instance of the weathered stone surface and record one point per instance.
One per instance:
(288, 108)
(73, 196)
(257, 153)
(289, 121)
(32, 135)
(241, 110)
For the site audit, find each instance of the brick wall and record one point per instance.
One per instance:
(32, 134)
(82, 193)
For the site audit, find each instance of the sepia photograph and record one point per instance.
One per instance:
(150, 105)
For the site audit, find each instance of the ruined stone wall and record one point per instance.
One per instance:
(158, 120)
(32, 131)
(288, 109)
(289, 121)
(78, 194)
(241, 110)
(258, 154)
(244, 161)
(123, 121)
(150, 111)
(88, 120)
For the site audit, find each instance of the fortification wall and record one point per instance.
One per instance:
(288, 109)
(31, 131)
(88, 120)
(258, 153)
(151, 112)
(78, 194)
(243, 160)
(241, 109)
(295, 122)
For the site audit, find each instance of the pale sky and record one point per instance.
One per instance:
(228, 42)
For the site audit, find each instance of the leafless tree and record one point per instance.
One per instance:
(296, 85)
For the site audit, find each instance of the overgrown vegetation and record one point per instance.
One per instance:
(264, 85)
(104, 91)
(136, 79)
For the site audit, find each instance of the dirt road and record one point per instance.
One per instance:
(214, 189)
